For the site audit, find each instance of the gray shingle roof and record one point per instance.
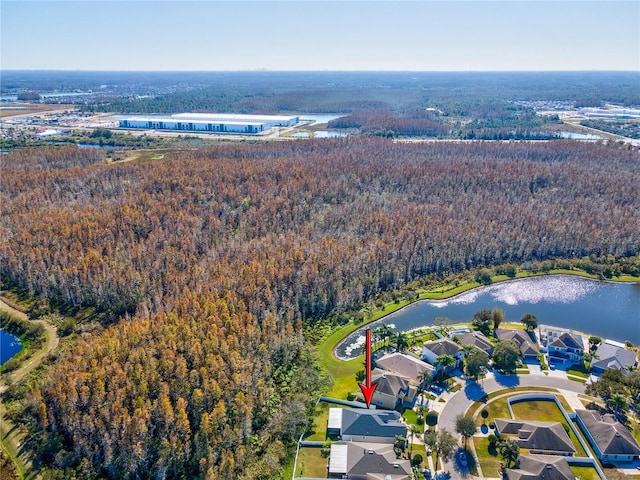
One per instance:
(612, 356)
(444, 346)
(535, 435)
(477, 339)
(367, 458)
(372, 423)
(612, 437)
(535, 467)
(521, 338)
(405, 365)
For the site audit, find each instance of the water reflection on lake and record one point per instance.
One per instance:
(606, 309)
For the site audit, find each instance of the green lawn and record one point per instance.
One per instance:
(318, 431)
(311, 463)
(490, 464)
(410, 416)
(585, 473)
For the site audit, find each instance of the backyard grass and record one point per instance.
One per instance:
(318, 431)
(585, 473)
(410, 416)
(311, 464)
(489, 463)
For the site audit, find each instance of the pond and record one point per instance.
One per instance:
(9, 346)
(606, 309)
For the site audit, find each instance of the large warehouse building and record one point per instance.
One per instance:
(210, 122)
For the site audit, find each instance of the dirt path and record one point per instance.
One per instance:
(11, 436)
(51, 342)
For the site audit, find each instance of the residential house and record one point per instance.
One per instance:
(610, 355)
(475, 339)
(536, 467)
(367, 461)
(528, 349)
(371, 425)
(547, 438)
(392, 390)
(405, 365)
(611, 440)
(444, 346)
(564, 348)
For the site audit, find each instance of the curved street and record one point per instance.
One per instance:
(471, 392)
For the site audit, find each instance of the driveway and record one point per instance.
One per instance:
(460, 401)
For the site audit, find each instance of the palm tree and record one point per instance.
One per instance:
(401, 342)
(425, 378)
(444, 361)
(617, 401)
(509, 450)
(413, 430)
(399, 445)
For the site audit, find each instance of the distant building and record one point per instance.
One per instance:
(610, 439)
(210, 122)
(367, 461)
(536, 467)
(612, 355)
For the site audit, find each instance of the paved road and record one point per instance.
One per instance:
(460, 401)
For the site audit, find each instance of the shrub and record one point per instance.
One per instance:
(432, 418)
(10, 365)
(416, 460)
(484, 413)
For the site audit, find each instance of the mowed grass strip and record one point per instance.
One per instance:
(311, 463)
(489, 462)
(585, 473)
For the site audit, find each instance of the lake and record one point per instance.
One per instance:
(9, 346)
(606, 309)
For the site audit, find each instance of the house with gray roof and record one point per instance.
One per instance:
(364, 424)
(475, 339)
(612, 355)
(536, 467)
(547, 438)
(392, 390)
(528, 349)
(367, 461)
(564, 348)
(405, 365)
(444, 346)
(611, 440)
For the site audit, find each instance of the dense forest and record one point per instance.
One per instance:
(216, 260)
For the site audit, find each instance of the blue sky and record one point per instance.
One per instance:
(320, 35)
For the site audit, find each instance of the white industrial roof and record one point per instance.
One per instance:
(338, 456)
(234, 116)
(198, 122)
(335, 418)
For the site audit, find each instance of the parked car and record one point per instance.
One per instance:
(462, 459)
